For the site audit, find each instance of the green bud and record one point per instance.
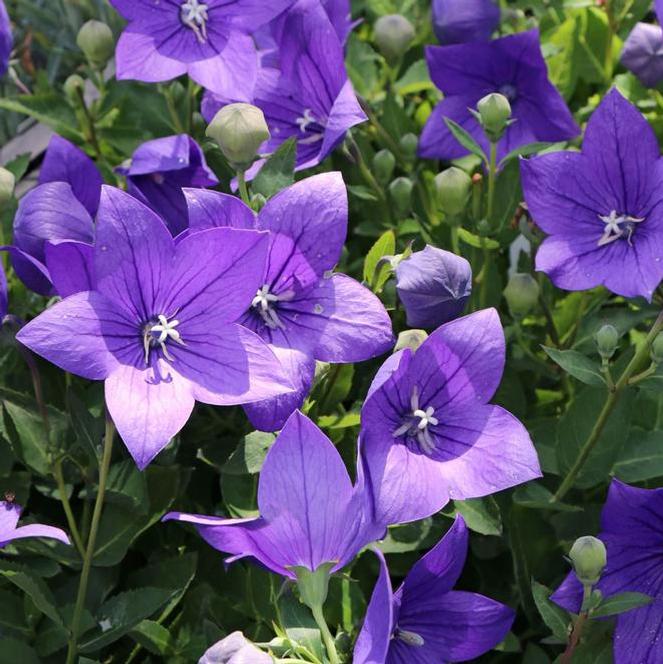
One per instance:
(313, 586)
(394, 35)
(258, 202)
(178, 93)
(96, 41)
(409, 144)
(589, 557)
(607, 340)
(72, 86)
(483, 227)
(411, 339)
(657, 349)
(521, 294)
(400, 191)
(7, 184)
(494, 113)
(453, 190)
(239, 130)
(384, 164)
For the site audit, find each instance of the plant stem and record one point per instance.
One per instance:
(612, 31)
(243, 189)
(326, 635)
(576, 633)
(492, 179)
(91, 129)
(66, 506)
(611, 401)
(91, 543)
(366, 171)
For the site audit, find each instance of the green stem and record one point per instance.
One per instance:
(609, 405)
(66, 506)
(326, 635)
(455, 245)
(91, 543)
(492, 179)
(243, 189)
(89, 120)
(612, 31)
(172, 111)
(576, 633)
(366, 171)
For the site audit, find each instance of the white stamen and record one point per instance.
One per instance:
(419, 429)
(264, 302)
(410, 638)
(306, 120)
(167, 332)
(613, 231)
(194, 15)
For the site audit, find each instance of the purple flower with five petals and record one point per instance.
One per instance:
(10, 513)
(461, 21)
(301, 309)
(158, 172)
(6, 39)
(632, 530)
(643, 53)
(425, 620)
(310, 513)
(309, 97)
(428, 433)
(207, 39)
(603, 208)
(160, 325)
(513, 66)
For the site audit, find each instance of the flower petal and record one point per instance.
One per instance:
(137, 58)
(38, 530)
(212, 209)
(71, 266)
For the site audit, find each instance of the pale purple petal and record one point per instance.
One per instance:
(460, 21)
(210, 209)
(6, 39)
(38, 530)
(643, 53)
(9, 516)
(137, 58)
(235, 649)
(71, 266)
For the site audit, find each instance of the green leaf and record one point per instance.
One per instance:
(414, 536)
(155, 638)
(89, 430)
(12, 616)
(250, 454)
(376, 274)
(465, 139)
(578, 365)
(416, 79)
(642, 457)
(13, 651)
(482, 515)
(37, 590)
(536, 496)
(556, 619)
(128, 486)
(528, 150)
(278, 172)
(621, 603)
(477, 242)
(50, 109)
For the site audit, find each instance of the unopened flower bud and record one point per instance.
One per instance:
(239, 130)
(494, 112)
(607, 340)
(258, 202)
(589, 558)
(657, 349)
(483, 227)
(521, 294)
(411, 339)
(453, 190)
(409, 144)
(400, 191)
(7, 184)
(384, 164)
(96, 41)
(73, 86)
(393, 34)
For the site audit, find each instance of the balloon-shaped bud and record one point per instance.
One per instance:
(494, 113)
(394, 35)
(589, 558)
(96, 41)
(607, 340)
(384, 164)
(453, 191)
(7, 184)
(400, 191)
(521, 294)
(409, 144)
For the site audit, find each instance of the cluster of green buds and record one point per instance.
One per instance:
(96, 41)
(521, 294)
(393, 35)
(493, 113)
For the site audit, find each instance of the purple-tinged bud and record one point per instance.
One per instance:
(453, 191)
(462, 21)
(494, 113)
(589, 558)
(235, 648)
(607, 340)
(384, 164)
(643, 53)
(96, 41)
(7, 184)
(239, 130)
(521, 294)
(400, 191)
(657, 349)
(434, 286)
(394, 35)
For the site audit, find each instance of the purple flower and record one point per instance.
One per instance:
(210, 41)
(643, 53)
(632, 530)
(310, 97)
(159, 327)
(602, 208)
(235, 649)
(310, 513)
(6, 39)
(428, 432)
(158, 172)
(513, 66)
(301, 309)
(434, 286)
(340, 15)
(425, 620)
(10, 513)
(460, 21)
(61, 208)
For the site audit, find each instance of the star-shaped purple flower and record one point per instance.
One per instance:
(643, 53)
(461, 21)
(428, 433)
(6, 39)
(301, 309)
(10, 513)
(310, 513)
(158, 172)
(603, 208)
(160, 325)
(425, 620)
(513, 66)
(632, 530)
(309, 96)
(207, 39)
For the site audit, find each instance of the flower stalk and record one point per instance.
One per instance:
(578, 626)
(327, 637)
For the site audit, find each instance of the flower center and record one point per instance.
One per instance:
(617, 226)
(159, 334)
(265, 304)
(194, 15)
(410, 638)
(509, 91)
(416, 424)
(315, 132)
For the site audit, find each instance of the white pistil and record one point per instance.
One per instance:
(613, 230)
(166, 329)
(410, 638)
(419, 429)
(194, 15)
(303, 123)
(264, 302)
